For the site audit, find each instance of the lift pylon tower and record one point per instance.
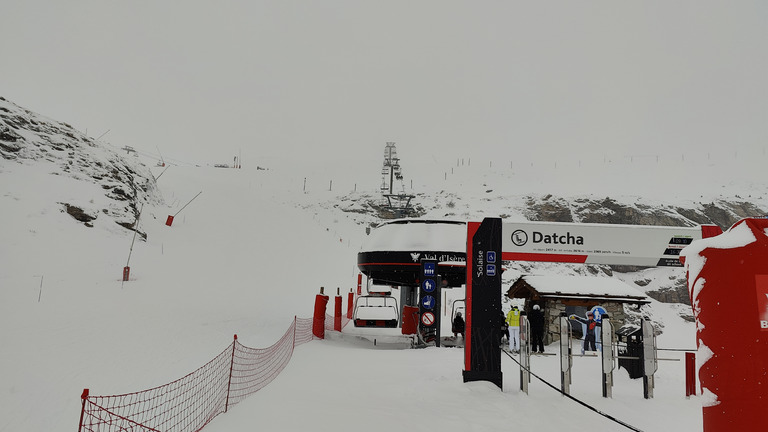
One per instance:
(399, 203)
(391, 169)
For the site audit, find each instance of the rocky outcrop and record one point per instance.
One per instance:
(675, 292)
(29, 138)
(610, 211)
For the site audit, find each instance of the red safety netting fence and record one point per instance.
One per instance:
(191, 402)
(330, 322)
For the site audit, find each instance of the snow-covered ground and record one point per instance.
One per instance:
(249, 254)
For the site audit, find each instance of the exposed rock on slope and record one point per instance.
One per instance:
(608, 210)
(28, 138)
(548, 208)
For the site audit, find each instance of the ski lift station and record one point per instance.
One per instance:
(420, 257)
(393, 251)
(392, 254)
(391, 260)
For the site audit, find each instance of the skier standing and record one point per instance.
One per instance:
(513, 320)
(537, 329)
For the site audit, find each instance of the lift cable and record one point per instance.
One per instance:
(609, 417)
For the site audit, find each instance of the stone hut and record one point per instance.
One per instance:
(574, 295)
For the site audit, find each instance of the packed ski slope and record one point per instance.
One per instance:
(245, 257)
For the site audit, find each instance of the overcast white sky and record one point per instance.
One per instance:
(204, 80)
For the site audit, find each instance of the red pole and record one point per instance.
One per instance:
(126, 273)
(84, 396)
(359, 284)
(318, 323)
(472, 228)
(350, 303)
(690, 374)
(337, 312)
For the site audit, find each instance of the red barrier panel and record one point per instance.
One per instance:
(728, 283)
(337, 314)
(169, 221)
(410, 320)
(318, 323)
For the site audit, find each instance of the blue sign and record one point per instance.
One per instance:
(490, 269)
(428, 302)
(428, 285)
(429, 269)
(491, 257)
(598, 312)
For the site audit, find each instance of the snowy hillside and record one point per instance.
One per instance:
(62, 157)
(659, 190)
(252, 252)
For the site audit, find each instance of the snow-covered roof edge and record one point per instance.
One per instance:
(583, 287)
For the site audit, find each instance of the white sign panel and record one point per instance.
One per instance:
(636, 245)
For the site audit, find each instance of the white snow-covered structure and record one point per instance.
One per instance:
(559, 294)
(392, 253)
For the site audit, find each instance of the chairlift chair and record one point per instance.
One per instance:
(376, 310)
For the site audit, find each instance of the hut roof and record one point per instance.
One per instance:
(575, 287)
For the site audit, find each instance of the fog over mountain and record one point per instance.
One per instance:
(294, 82)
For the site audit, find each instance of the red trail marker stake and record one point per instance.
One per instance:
(169, 220)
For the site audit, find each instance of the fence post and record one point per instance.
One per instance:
(231, 367)
(84, 396)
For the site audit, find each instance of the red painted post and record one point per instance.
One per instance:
(350, 304)
(318, 322)
(84, 396)
(337, 312)
(169, 221)
(126, 273)
(690, 374)
(359, 284)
